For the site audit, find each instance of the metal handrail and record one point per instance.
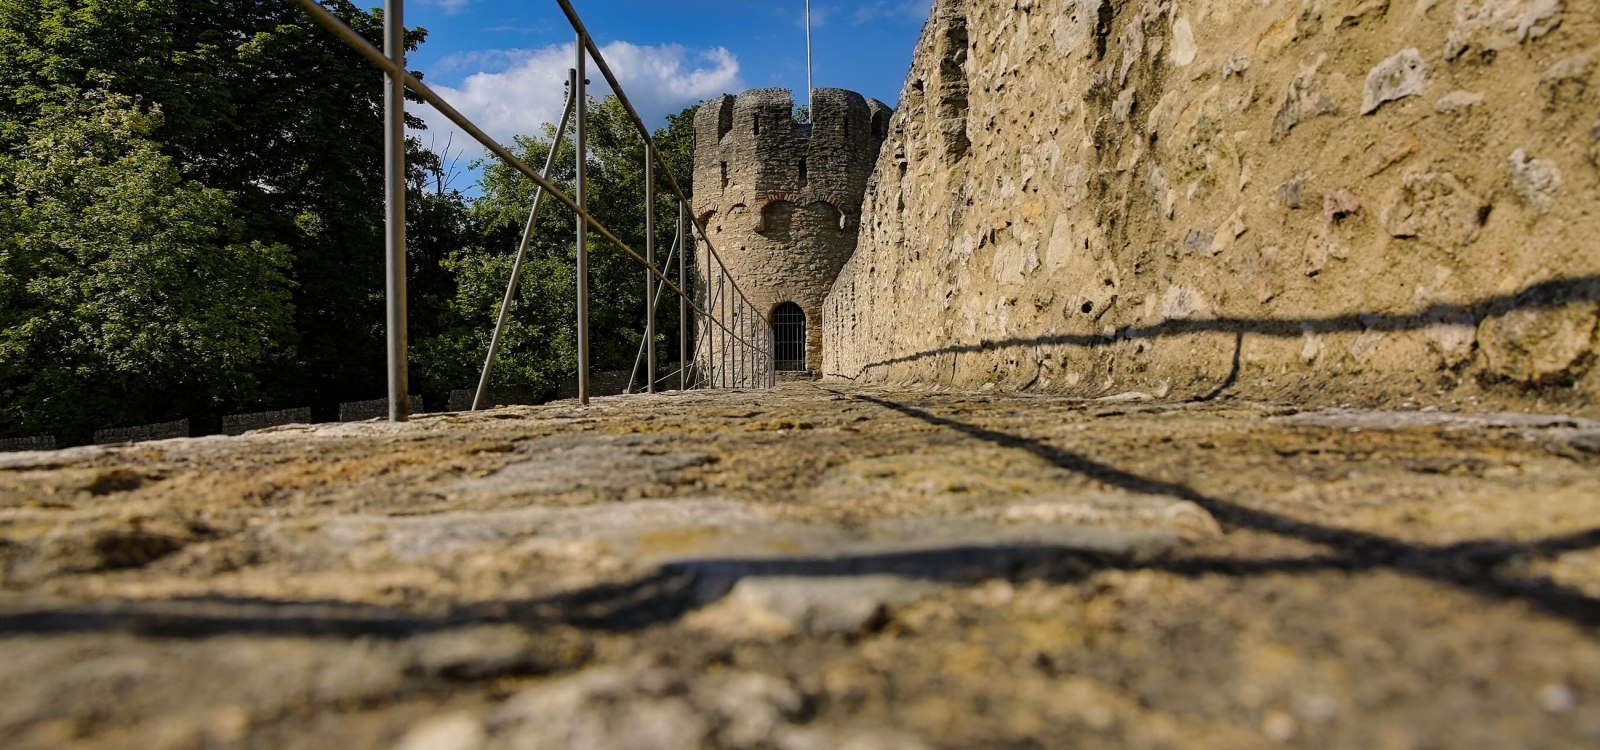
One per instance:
(330, 21)
(638, 122)
(397, 72)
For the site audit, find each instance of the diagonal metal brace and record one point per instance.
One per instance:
(522, 249)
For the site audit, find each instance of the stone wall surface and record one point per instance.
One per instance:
(781, 201)
(1337, 200)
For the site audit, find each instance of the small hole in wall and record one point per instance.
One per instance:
(724, 175)
(1088, 307)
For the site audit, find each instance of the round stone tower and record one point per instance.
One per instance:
(781, 201)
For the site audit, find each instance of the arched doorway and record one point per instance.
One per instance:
(789, 337)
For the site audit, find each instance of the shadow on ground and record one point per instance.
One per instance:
(1479, 566)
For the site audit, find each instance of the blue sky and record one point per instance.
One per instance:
(503, 62)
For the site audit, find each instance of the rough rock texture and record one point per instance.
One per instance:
(1322, 200)
(782, 201)
(830, 568)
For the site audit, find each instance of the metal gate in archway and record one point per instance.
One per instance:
(789, 337)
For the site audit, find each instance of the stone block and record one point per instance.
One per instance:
(1434, 206)
(1493, 25)
(1535, 181)
(1457, 102)
(1405, 74)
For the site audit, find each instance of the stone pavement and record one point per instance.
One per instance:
(813, 567)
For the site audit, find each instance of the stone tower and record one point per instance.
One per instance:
(781, 201)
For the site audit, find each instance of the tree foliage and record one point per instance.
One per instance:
(126, 291)
(191, 223)
(540, 347)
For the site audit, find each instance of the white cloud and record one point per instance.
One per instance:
(523, 89)
(450, 7)
(819, 16)
(915, 11)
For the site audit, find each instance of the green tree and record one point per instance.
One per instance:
(127, 292)
(540, 348)
(260, 102)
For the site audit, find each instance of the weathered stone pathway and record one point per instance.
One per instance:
(815, 567)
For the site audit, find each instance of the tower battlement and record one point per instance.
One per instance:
(748, 146)
(781, 199)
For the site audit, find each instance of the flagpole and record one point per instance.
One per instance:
(809, 113)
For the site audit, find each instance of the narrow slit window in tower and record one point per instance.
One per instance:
(724, 175)
(802, 171)
(756, 119)
(847, 127)
(789, 337)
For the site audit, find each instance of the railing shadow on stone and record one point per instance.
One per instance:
(1547, 295)
(677, 588)
(1488, 567)
(1480, 566)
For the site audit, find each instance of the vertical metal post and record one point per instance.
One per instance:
(683, 307)
(581, 196)
(722, 330)
(638, 357)
(811, 115)
(394, 188)
(709, 346)
(522, 248)
(650, 261)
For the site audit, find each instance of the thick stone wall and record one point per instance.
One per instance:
(782, 201)
(1323, 200)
